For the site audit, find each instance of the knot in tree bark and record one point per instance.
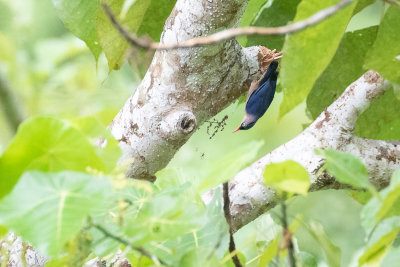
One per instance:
(178, 123)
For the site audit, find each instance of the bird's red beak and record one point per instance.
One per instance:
(237, 129)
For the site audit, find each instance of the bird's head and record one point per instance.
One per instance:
(246, 124)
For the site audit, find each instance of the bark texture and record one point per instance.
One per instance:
(185, 87)
(334, 129)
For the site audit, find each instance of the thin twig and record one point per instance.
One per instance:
(144, 252)
(11, 109)
(232, 246)
(228, 33)
(287, 235)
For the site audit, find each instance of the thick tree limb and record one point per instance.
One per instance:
(334, 128)
(185, 87)
(228, 33)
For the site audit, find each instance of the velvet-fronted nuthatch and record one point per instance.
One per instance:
(259, 97)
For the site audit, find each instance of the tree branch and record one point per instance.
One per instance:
(185, 87)
(228, 33)
(227, 213)
(334, 129)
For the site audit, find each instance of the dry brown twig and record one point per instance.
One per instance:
(228, 33)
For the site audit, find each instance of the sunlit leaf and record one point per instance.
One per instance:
(270, 252)
(288, 176)
(345, 67)
(79, 16)
(379, 244)
(309, 52)
(392, 196)
(46, 144)
(384, 56)
(54, 204)
(346, 168)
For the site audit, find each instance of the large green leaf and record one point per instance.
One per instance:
(155, 17)
(361, 4)
(288, 176)
(48, 209)
(105, 145)
(226, 167)
(79, 16)
(168, 214)
(345, 67)
(251, 12)
(309, 52)
(46, 144)
(383, 114)
(278, 14)
(384, 56)
(392, 258)
(113, 44)
(346, 168)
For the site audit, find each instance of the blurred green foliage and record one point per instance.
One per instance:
(63, 191)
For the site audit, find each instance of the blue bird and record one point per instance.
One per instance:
(259, 98)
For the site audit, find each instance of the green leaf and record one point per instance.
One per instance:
(345, 67)
(379, 244)
(383, 114)
(3, 231)
(382, 206)
(251, 12)
(361, 4)
(113, 44)
(155, 17)
(270, 252)
(168, 214)
(346, 168)
(288, 176)
(45, 144)
(278, 14)
(105, 145)
(392, 258)
(309, 52)
(384, 56)
(332, 252)
(226, 167)
(79, 16)
(48, 209)
(392, 196)
(306, 259)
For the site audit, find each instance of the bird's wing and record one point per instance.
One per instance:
(253, 87)
(258, 84)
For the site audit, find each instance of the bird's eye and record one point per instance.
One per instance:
(243, 124)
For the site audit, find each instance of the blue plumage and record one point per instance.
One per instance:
(260, 99)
